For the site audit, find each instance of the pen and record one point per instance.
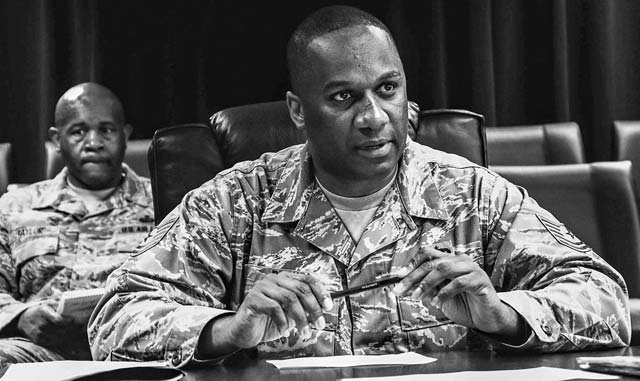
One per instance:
(365, 287)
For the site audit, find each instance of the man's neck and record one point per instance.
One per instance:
(89, 195)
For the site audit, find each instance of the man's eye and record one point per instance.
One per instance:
(77, 132)
(388, 88)
(341, 96)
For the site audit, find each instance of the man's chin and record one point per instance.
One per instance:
(97, 181)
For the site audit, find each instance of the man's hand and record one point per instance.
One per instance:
(463, 291)
(42, 325)
(275, 305)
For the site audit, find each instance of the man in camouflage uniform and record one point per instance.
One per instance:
(69, 232)
(247, 261)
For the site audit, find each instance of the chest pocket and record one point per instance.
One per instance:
(414, 315)
(34, 241)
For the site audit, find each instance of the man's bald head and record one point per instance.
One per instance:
(85, 95)
(321, 22)
(91, 135)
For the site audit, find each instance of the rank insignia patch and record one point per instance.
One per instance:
(563, 235)
(156, 235)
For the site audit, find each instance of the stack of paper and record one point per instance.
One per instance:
(409, 358)
(78, 304)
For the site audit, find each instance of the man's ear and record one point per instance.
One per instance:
(54, 136)
(295, 110)
(128, 129)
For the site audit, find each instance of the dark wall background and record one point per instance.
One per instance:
(172, 61)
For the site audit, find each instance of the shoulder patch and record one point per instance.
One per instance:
(155, 236)
(563, 235)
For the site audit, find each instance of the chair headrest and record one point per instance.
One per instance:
(455, 131)
(246, 132)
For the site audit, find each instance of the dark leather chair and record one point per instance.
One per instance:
(455, 131)
(5, 166)
(183, 157)
(246, 132)
(596, 202)
(135, 157)
(554, 143)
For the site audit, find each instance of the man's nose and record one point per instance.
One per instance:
(371, 115)
(93, 139)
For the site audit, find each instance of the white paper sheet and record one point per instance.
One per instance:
(408, 358)
(66, 370)
(531, 374)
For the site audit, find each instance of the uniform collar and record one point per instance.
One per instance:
(416, 184)
(58, 194)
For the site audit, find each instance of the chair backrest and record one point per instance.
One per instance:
(135, 157)
(596, 202)
(455, 131)
(553, 143)
(183, 157)
(5, 166)
(246, 132)
(626, 144)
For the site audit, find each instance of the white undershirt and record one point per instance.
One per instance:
(91, 198)
(356, 212)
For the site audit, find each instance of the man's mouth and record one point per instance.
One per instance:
(375, 149)
(96, 161)
(373, 145)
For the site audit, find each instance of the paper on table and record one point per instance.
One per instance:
(532, 374)
(69, 370)
(408, 358)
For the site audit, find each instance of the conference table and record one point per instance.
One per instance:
(243, 368)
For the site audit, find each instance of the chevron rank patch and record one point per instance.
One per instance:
(563, 235)
(156, 235)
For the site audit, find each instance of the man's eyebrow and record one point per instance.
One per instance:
(342, 83)
(335, 84)
(391, 74)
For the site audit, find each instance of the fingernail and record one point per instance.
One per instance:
(416, 293)
(320, 323)
(398, 289)
(305, 333)
(436, 302)
(402, 272)
(327, 303)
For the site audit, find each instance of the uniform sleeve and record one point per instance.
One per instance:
(10, 305)
(159, 301)
(570, 297)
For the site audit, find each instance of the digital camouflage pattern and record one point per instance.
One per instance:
(269, 215)
(50, 243)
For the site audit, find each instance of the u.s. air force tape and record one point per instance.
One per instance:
(563, 235)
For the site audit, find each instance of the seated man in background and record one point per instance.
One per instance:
(69, 232)
(249, 259)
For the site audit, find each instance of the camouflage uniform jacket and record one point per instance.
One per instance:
(270, 215)
(49, 243)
